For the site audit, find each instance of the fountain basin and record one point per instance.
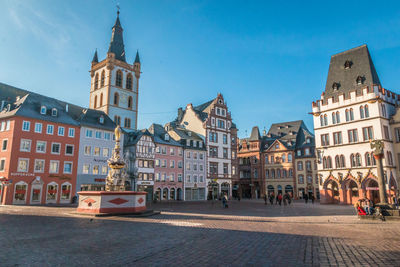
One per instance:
(111, 202)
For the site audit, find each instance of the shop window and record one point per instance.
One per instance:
(52, 192)
(66, 191)
(20, 192)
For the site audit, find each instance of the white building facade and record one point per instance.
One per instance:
(353, 110)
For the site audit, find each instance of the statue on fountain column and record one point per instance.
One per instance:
(117, 176)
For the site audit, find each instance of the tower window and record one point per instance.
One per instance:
(101, 99)
(118, 78)
(127, 123)
(96, 81)
(129, 82)
(117, 120)
(130, 102)
(95, 102)
(116, 99)
(102, 79)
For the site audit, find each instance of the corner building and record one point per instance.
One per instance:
(353, 110)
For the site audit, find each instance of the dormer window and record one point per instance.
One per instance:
(347, 64)
(335, 86)
(101, 119)
(359, 80)
(54, 112)
(166, 137)
(43, 110)
(308, 140)
(189, 133)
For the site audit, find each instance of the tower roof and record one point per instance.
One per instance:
(137, 58)
(255, 134)
(95, 58)
(350, 70)
(117, 42)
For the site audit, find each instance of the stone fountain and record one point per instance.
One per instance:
(115, 199)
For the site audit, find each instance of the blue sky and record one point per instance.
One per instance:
(268, 58)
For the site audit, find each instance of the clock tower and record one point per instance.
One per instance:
(115, 83)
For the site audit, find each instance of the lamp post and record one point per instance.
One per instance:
(377, 146)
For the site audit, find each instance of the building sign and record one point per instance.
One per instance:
(145, 182)
(61, 177)
(22, 174)
(372, 188)
(100, 180)
(100, 160)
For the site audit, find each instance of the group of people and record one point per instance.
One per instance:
(364, 207)
(285, 198)
(306, 198)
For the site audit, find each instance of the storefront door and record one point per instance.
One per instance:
(36, 194)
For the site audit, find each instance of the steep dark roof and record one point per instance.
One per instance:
(134, 136)
(29, 105)
(255, 134)
(95, 58)
(117, 42)
(344, 69)
(137, 58)
(159, 132)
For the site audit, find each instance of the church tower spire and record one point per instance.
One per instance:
(115, 82)
(117, 41)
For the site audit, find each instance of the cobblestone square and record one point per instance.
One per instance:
(248, 233)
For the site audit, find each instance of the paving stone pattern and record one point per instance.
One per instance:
(248, 233)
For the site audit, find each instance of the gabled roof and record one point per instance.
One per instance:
(255, 134)
(344, 69)
(137, 58)
(134, 136)
(159, 132)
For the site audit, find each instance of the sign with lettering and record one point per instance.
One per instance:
(22, 174)
(372, 188)
(99, 180)
(145, 182)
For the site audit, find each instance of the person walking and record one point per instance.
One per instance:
(280, 199)
(271, 199)
(289, 199)
(265, 199)
(312, 198)
(306, 198)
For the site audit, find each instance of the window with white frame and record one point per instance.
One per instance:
(43, 110)
(179, 177)
(105, 152)
(25, 145)
(38, 127)
(26, 125)
(61, 130)
(95, 169)
(39, 165)
(4, 145)
(67, 167)
(2, 164)
(54, 164)
(97, 151)
(23, 165)
(3, 126)
(107, 136)
(8, 125)
(172, 177)
(86, 168)
(69, 150)
(71, 132)
(88, 150)
(50, 129)
(41, 146)
(89, 133)
(54, 112)
(104, 170)
(55, 148)
(98, 134)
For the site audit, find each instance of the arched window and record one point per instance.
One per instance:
(272, 173)
(337, 162)
(322, 120)
(118, 78)
(329, 162)
(116, 99)
(129, 81)
(326, 119)
(267, 174)
(366, 111)
(351, 114)
(278, 173)
(101, 99)
(342, 161)
(96, 81)
(117, 120)
(324, 165)
(290, 172)
(362, 115)
(284, 173)
(95, 101)
(358, 160)
(337, 117)
(373, 159)
(368, 161)
(347, 115)
(333, 118)
(130, 102)
(352, 160)
(301, 179)
(102, 78)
